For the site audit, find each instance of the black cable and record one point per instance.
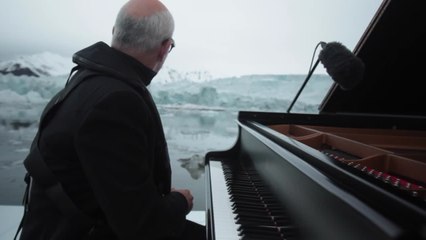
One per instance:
(313, 55)
(311, 70)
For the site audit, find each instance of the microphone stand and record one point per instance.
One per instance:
(303, 85)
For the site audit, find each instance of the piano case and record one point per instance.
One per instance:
(356, 170)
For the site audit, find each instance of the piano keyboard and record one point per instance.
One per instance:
(224, 226)
(244, 208)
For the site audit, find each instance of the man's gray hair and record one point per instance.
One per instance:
(142, 34)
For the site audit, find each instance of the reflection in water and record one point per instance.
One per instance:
(194, 165)
(190, 135)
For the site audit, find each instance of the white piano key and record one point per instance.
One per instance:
(225, 227)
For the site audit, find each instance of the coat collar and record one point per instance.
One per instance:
(103, 58)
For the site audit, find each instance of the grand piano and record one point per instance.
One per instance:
(355, 170)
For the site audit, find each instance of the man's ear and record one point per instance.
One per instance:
(164, 49)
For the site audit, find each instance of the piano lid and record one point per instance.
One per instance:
(393, 49)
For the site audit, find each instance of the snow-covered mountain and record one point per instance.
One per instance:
(51, 64)
(43, 64)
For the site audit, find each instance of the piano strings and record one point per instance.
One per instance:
(398, 182)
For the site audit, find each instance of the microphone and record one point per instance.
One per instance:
(346, 69)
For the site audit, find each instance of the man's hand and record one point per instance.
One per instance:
(187, 194)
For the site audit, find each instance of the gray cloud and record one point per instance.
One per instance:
(221, 36)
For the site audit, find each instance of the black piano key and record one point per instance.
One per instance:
(261, 235)
(260, 210)
(286, 231)
(260, 238)
(256, 203)
(261, 232)
(239, 195)
(253, 221)
(258, 215)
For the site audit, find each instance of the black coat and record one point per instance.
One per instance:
(106, 146)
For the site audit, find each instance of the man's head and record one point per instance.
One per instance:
(144, 30)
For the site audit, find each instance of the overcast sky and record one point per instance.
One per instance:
(224, 37)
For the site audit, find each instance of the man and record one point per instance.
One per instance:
(101, 138)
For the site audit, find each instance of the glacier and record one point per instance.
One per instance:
(22, 98)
